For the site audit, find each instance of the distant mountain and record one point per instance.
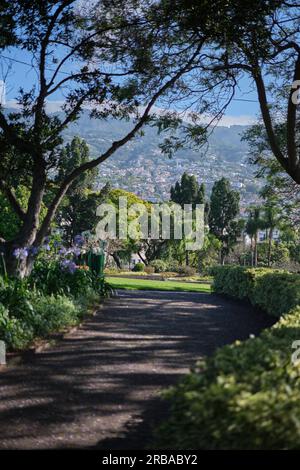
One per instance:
(139, 166)
(225, 142)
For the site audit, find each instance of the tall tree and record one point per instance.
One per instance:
(254, 38)
(254, 223)
(69, 45)
(272, 220)
(224, 209)
(278, 186)
(188, 191)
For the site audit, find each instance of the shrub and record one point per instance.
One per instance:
(149, 269)
(274, 291)
(246, 396)
(31, 314)
(53, 313)
(173, 266)
(159, 265)
(138, 267)
(186, 271)
(52, 278)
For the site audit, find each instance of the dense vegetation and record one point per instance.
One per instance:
(246, 396)
(59, 291)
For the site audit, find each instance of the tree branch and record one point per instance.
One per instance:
(291, 123)
(115, 146)
(264, 106)
(12, 200)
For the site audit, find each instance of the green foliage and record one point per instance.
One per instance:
(279, 253)
(209, 253)
(139, 267)
(224, 208)
(187, 270)
(173, 265)
(188, 191)
(26, 313)
(159, 265)
(9, 221)
(51, 299)
(274, 291)
(246, 396)
(50, 278)
(79, 206)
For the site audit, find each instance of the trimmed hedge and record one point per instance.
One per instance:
(247, 395)
(274, 291)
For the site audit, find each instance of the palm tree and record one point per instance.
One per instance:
(272, 219)
(253, 225)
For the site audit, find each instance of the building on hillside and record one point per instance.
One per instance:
(262, 236)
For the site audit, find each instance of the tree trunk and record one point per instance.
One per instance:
(117, 260)
(270, 246)
(17, 266)
(222, 257)
(255, 248)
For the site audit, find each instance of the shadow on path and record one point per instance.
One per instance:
(100, 386)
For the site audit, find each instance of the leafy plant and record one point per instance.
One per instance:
(139, 267)
(246, 396)
(159, 265)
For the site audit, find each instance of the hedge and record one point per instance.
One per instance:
(247, 395)
(274, 291)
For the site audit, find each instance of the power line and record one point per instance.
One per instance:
(242, 99)
(66, 73)
(30, 65)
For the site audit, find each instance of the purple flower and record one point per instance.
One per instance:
(72, 267)
(69, 265)
(46, 247)
(34, 250)
(62, 251)
(77, 251)
(20, 253)
(78, 240)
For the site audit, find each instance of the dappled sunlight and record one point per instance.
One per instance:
(88, 386)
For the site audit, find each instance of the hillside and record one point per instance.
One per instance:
(140, 167)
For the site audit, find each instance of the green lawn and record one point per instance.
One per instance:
(146, 284)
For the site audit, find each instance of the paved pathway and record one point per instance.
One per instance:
(99, 387)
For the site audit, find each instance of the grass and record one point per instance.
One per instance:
(147, 284)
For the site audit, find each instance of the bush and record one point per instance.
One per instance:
(27, 314)
(15, 332)
(52, 278)
(246, 396)
(138, 267)
(173, 266)
(186, 271)
(53, 313)
(274, 291)
(159, 265)
(149, 269)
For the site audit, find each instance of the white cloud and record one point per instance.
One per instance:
(242, 120)
(227, 120)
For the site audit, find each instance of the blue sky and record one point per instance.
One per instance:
(238, 112)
